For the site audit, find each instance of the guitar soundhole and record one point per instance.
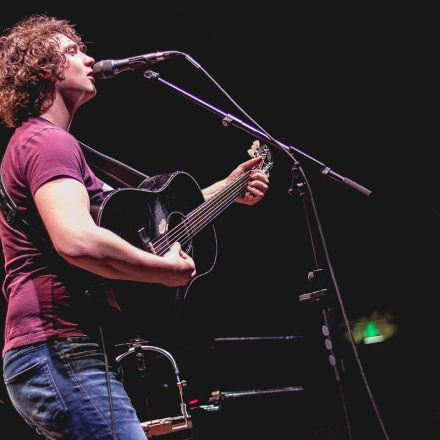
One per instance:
(179, 230)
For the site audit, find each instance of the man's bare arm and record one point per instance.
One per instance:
(64, 207)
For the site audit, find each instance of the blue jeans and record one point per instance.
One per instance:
(59, 387)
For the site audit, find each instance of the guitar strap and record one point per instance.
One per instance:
(11, 214)
(118, 171)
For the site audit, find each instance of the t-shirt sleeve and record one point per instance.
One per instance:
(51, 154)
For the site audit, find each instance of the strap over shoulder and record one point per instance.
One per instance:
(116, 170)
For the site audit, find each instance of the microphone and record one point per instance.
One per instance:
(109, 68)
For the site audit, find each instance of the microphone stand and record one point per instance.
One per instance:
(319, 296)
(299, 181)
(228, 119)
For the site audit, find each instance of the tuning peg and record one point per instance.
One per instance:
(254, 148)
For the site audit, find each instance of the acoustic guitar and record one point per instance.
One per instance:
(165, 209)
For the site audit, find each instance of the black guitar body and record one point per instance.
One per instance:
(162, 210)
(144, 217)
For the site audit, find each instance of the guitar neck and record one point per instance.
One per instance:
(208, 211)
(202, 216)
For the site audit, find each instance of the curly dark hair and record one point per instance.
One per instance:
(30, 63)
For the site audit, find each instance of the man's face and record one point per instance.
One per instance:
(78, 85)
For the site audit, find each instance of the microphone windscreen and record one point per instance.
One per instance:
(103, 69)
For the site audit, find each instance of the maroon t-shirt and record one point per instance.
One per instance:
(41, 302)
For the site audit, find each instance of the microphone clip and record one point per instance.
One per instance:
(151, 75)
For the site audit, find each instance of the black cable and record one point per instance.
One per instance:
(109, 388)
(90, 294)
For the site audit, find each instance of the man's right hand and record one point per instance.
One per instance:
(185, 269)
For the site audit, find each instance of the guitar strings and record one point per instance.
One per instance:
(206, 221)
(197, 219)
(216, 202)
(213, 202)
(198, 216)
(218, 197)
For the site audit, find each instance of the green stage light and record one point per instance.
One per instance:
(372, 329)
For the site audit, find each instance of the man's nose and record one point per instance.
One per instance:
(89, 61)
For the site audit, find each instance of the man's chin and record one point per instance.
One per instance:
(90, 95)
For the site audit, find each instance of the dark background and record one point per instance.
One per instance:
(359, 95)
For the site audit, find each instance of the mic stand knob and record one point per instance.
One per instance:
(318, 296)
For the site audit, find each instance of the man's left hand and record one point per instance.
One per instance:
(258, 181)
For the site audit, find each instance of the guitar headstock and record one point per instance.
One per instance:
(262, 150)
